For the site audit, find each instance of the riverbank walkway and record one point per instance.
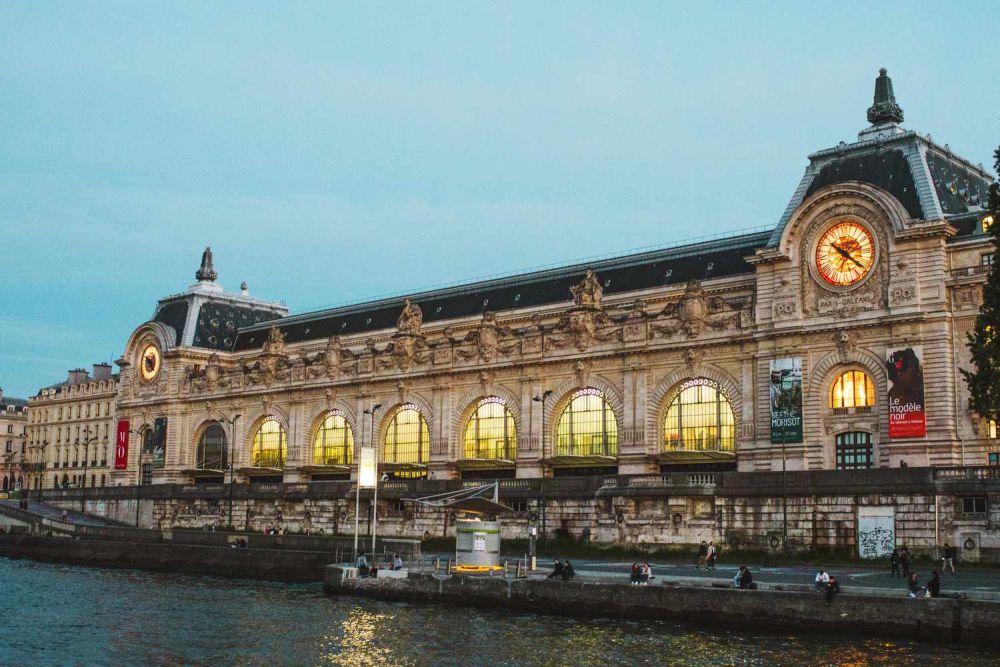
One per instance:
(42, 510)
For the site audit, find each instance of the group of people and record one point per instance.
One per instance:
(562, 571)
(365, 570)
(931, 590)
(744, 579)
(901, 564)
(827, 584)
(641, 574)
(707, 554)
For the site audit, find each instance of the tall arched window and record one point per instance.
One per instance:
(334, 441)
(490, 432)
(852, 389)
(211, 451)
(270, 445)
(587, 426)
(407, 439)
(699, 418)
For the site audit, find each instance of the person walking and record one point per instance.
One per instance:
(710, 556)
(894, 564)
(948, 559)
(702, 554)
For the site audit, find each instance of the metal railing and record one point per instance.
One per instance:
(966, 271)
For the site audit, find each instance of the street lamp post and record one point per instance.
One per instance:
(533, 530)
(232, 461)
(86, 453)
(371, 436)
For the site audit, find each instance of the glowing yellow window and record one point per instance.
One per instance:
(853, 389)
(270, 445)
(407, 439)
(587, 426)
(334, 441)
(699, 418)
(490, 432)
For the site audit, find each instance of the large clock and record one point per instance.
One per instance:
(845, 253)
(149, 362)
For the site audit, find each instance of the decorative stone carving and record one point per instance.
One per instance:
(588, 293)
(410, 319)
(275, 343)
(634, 328)
(490, 339)
(696, 311)
(845, 344)
(692, 358)
(582, 372)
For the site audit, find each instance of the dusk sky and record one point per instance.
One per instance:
(332, 152)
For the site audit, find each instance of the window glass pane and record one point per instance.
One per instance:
(854, 451)
(853, 389)
(334, 442)
(212, 449)
(407, 439)
(270, 445)
(490, 433)
(587, 426)
(699, 418)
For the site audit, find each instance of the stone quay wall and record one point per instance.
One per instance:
(940, 619)
(819, 510)
(253, 563)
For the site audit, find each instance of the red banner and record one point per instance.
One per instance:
(121, 445)
(905, 369)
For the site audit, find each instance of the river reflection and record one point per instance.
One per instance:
(61, 615)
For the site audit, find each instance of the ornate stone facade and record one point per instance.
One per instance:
(648, 334)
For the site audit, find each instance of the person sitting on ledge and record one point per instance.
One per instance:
(635, 574)
(397, 562)
(822, 579)
(934, 585)
(832, 588)
(568, 572)
(362, 566)
(916, 590)
(744, 579)
(557, 570)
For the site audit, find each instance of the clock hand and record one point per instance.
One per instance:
(847, 255)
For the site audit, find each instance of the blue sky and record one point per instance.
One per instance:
(330, 152)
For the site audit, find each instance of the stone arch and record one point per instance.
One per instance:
(667, 388)
(841, 360)
(164, 336)
(192, 454)
(423, 407)
(467, 405)
(880, 206)
(563, 394)
(314, 425)
(259, 416)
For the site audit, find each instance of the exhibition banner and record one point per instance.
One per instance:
(121, 445)
(786, 400)
(367, 468)
(905, 370)
(159, 442)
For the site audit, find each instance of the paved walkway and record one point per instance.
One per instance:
(977, 582)
(52, 512)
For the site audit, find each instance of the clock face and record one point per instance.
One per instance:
(149, 363)
(845, 254)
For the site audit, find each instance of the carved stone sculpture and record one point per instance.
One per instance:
(410, 319)
(589, 292)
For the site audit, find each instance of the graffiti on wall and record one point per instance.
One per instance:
(876, 531)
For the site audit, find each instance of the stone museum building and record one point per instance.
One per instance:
(800, 384)
(13, 427)
(831, 340)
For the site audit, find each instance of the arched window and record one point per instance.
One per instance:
(490, 432)
(699, 418)
(587, 426)
(211, 452)
(407, 439)
(270, 445)
(852, 389)
(334, 442)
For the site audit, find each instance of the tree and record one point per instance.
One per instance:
(984, 344)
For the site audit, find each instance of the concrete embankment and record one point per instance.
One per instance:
(941, 619)
(271, 564)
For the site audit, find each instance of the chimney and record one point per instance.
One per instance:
(77, 375)
(102, 371)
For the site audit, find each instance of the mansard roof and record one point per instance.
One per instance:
(629, 273)
(928, 179)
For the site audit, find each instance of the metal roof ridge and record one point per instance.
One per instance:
(707, 242)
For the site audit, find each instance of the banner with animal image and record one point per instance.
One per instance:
(786, 400)
(905, 371)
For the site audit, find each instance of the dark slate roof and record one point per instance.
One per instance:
(887, 170)
(218, 323)
(15, 402)
(173, 314)
(959, 189)
(66, 383)
(644, 270)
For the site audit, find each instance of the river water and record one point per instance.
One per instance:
(65, 615)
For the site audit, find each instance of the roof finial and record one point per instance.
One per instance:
(885, 109)
(207, 271)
